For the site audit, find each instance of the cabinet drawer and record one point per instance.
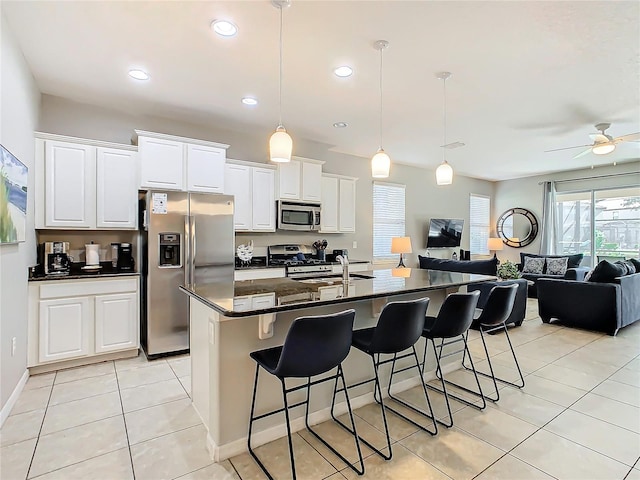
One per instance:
(87, 287)
(258, 274)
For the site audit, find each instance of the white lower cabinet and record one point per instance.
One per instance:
(75, 319)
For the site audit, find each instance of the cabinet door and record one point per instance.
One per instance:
(64, 328)
(70, 197)
(311, 182)
(289, 180)
(116, 322)
(347, 208)
(329, 213)
(205, 169)
(161, 164)
(265, 300)
(116, 189)
(237, 182)
(263, 201)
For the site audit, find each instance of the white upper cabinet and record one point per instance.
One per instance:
(116, 189)
(69, 190)
(300, 179)
(83, 184)
(205, 169)
(338, 204)
(161, 164)
(254, 190)
(168, 162)
(329, 213)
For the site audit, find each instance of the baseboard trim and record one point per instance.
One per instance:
(13, 398)
(222, 452)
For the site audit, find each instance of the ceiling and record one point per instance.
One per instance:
(527, 77)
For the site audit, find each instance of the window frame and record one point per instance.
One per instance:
(484, 249)
(402, 220)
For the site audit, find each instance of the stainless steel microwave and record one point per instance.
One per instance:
(298, 216)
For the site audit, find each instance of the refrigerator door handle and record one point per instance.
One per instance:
(187, 250)
(192, 269)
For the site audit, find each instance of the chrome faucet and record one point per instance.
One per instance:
(344, 261)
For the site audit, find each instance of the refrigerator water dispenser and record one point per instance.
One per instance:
(169, 251)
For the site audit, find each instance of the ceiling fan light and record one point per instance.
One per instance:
(280, 146)
(603, 148)
(444, 174)
(380, 164)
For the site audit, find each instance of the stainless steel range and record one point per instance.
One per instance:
(299, 260)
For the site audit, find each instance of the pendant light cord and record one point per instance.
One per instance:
(381, 57)
(280, 85)
(444, 119)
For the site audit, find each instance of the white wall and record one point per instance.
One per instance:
(528, 193)
(20, 101)
(424, 198)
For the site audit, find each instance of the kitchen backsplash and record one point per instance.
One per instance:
(78, 239)
(262, 240)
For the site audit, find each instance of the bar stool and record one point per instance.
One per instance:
(313, 346)
(399, 328)
(451, 326)
(492, 318)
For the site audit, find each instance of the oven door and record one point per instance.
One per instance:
(298, 216)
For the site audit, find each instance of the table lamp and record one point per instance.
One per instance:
(401, 245)
(494, 244)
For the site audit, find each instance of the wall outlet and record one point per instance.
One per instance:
(354, 244)
(14, 344)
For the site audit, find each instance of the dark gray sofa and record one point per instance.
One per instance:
(482, 267)
(574, 270)
(605, 307)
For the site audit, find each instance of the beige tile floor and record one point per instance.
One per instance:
(577, 418)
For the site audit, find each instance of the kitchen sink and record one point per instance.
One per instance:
(331, 279)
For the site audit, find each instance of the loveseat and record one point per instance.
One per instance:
(573, 270)
(607, 304)
(482, 267)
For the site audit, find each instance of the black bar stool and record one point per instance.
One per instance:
(313, 346)
(451, 326)
(399, 328)
(493, 317)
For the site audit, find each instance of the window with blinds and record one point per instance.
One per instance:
(479, 224)
(388, 219)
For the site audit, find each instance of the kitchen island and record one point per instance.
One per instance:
(230, 320)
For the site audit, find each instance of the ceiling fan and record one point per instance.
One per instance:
(602, 143)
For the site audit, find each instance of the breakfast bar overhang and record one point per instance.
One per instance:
(230, 320)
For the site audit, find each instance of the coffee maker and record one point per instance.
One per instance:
(125, 260)
(55, 258)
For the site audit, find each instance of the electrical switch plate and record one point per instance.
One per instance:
(13, 346)
(354, 245)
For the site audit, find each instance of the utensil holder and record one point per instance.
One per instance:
(321, 255)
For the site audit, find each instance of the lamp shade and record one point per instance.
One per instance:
(444, 174)
(401, 245)
(280, 146)
(603, 148)
(495, 243)
(380, 164)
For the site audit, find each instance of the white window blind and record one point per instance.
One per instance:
(479, 224)
(388, 219)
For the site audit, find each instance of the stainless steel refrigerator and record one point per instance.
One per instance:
(186, 239)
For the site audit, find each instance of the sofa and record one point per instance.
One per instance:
(606, 304)
(482, 267)
(573, 270)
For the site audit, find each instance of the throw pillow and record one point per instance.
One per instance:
(557, 266)
(628, 267)
(573, 262)
(533, 265)
(606, 272)
(636, 263)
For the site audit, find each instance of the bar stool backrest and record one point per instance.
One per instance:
(399, 326)
(455, 315)
(316, 344)
(498, 306)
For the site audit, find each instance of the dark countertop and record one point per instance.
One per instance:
(261, 267)
(77, 273)
(293, 294)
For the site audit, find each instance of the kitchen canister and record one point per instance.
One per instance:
(92, 254)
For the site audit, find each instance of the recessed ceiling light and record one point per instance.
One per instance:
(343, 71)
(224, 28)
(340, 125)
(139, 74)
(249, 101)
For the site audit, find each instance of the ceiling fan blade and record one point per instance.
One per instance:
(598, 137)
(582, 154)
(566, 148)
(630, 137)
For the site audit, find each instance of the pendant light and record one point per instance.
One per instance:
(444, 172)
(280, 143)
(380, 163)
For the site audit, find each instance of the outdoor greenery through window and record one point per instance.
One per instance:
(601, 224)
(388, 219)
(479, 224)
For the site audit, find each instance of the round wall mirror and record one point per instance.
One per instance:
(517, 227)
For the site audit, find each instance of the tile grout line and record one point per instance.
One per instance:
(46, 408)
(124, 421)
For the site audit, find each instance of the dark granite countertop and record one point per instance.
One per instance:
(77, 273)
(261, 267)
(290, 294)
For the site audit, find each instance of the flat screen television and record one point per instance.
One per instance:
(444, 232)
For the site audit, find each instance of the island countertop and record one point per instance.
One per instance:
(292, 294)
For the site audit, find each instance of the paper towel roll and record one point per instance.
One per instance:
(93, 254)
